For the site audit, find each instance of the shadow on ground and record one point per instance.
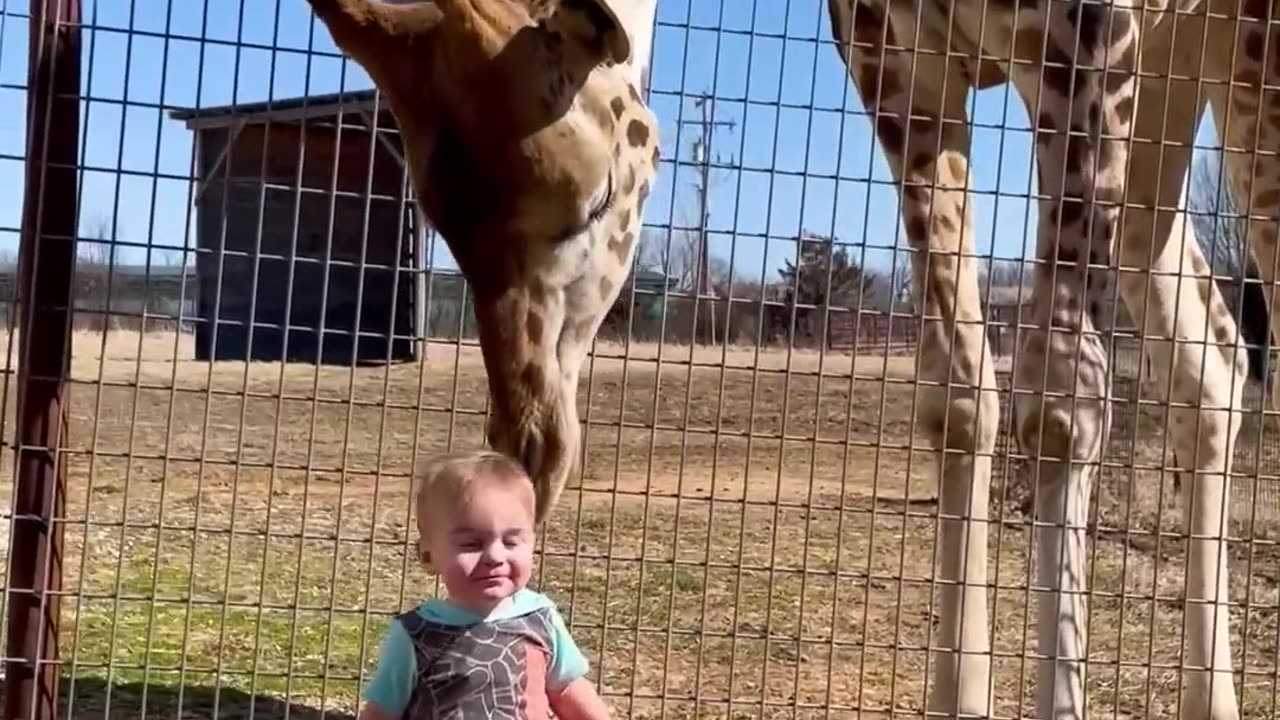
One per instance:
(94, 698)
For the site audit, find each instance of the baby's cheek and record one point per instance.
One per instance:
(522, 564)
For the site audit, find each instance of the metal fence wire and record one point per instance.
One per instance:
(231, 336)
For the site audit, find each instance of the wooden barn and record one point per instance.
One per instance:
(305, 221)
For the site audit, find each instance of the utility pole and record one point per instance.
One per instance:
(702, 156)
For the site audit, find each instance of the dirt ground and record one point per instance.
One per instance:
(752, 534)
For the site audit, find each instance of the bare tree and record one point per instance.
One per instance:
(1000, 272)
(97, 255)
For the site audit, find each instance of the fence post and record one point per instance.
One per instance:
(46, 263)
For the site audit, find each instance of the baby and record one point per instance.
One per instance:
(494, 648)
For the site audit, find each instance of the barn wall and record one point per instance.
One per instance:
(294, 238)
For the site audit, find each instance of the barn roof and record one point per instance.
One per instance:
(292, 109)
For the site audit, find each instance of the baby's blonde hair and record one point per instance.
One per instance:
(446, 482)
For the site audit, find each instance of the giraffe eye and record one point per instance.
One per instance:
(605, 204)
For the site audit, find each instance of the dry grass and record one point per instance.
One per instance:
(743, 541)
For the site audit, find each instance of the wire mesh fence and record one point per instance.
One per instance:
(266, 338)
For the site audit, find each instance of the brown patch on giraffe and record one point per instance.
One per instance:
(1249, 76)
(872, 82)
(1122, 72)
(1067, 255)
(617, 106)
(643, 193)
(922, 160)
(533, 326)
(916, 190)
(917, 230)
(635, 96)
(892, 136)
(637, 133)
(606, 286)
(629, 181)
(582, 331)
(1046, 128)
(1028, 44)
(988, 75)
(621, 245)
(1254, 44)
(657, 156)
(1058, 70)
(1255, 10)
(1267, 199)
(1072, 210)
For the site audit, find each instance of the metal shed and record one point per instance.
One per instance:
(307, 234)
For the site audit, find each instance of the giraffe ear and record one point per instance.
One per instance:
(606, 24)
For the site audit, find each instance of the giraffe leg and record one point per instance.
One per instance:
(1190, 336)
(1061, 376)
(958, 403)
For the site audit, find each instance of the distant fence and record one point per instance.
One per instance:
(121, 297)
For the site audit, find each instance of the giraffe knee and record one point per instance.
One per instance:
(1050, 430)
(967, 420)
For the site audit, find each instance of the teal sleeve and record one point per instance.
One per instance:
(392, 684)
(567, 661)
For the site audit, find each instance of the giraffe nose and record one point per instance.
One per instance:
(523, 443)
(531, 452)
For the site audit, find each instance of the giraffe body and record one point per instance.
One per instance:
(1073, 64)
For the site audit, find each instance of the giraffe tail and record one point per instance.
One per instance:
(1255, 320)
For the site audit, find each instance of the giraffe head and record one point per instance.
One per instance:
(532, 154)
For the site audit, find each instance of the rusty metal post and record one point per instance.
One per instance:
(46, 263)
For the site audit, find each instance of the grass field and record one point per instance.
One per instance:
(748, 538)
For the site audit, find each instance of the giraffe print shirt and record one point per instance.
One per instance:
(440, 661)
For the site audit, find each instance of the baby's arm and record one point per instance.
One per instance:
(371, 711)
(577, 701)
(388, 692)
(572, 697)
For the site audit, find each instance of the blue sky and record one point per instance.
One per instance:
(802, 155)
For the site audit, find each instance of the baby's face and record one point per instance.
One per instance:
(483, 549)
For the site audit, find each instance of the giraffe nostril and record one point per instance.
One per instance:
(531, 452)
